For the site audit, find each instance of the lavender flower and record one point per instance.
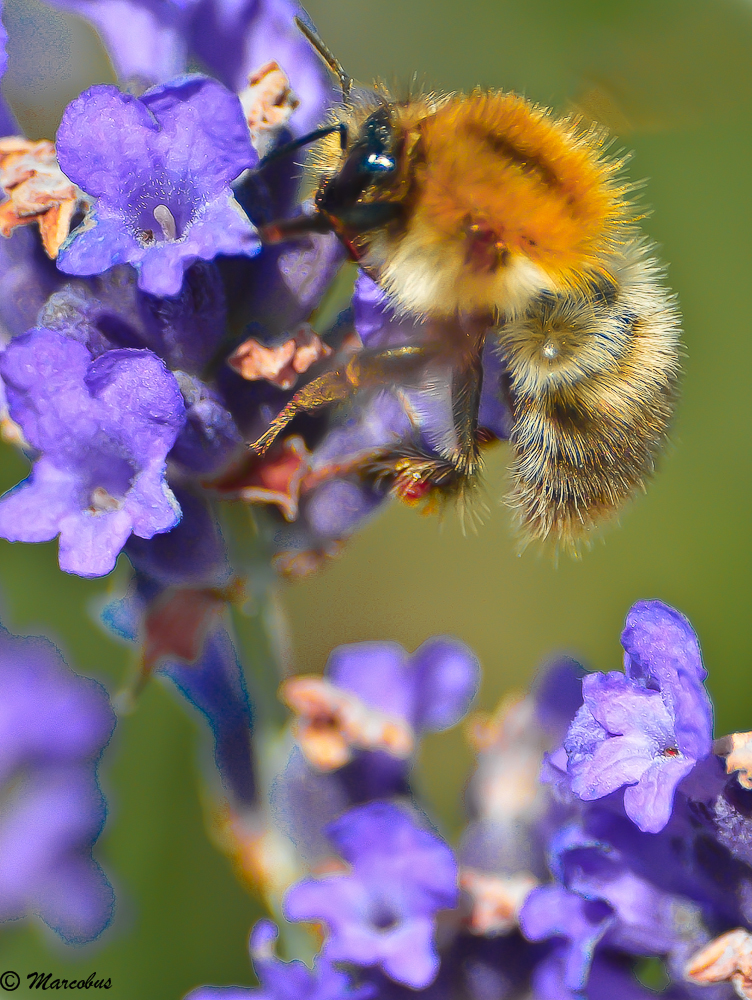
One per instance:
(431, 690)
(645, 729)
(376, 698)
(54, 726)
(383, 913)
(160, 167)
(103, 429)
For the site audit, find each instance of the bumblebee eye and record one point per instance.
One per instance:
(379, 163)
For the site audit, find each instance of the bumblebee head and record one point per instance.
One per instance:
(356, 198)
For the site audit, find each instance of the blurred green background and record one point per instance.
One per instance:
(674, 79)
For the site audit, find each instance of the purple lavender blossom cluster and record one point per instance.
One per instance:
(162, 336)
(606, 854)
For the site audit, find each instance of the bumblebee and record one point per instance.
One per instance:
(489, 217)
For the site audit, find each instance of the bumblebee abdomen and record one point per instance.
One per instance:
(584, 443)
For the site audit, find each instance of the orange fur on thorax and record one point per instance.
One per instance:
(541, 183)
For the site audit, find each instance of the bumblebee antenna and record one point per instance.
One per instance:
(335, 66)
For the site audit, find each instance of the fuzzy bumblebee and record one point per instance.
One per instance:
(490, 217)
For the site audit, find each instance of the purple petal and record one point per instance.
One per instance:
(46, 866)
(553, 911)
(105, 428)
(377, 672)
(144, 40)
(649, 803)
(103, 241)
(662, 651)
(151, 505)
(142, 397)
(91, 542)
(618, 761)
(48, 714)
(341, 902)
(621, 708)
(220, 148)
(101, 128)
(380, 836)
(447, 676)
(33, 510)
(383, 913)
(410, 956)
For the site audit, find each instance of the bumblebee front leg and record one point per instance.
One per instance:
(332, 387)
(364, 370)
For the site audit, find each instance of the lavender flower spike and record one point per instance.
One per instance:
(383, 913)
(54, 726)
(161, 167)
(645, 729)
(103, 429)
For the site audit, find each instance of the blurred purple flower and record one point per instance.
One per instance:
(646, 729)
(153, 40)
(161, 167)
(553, 911)
(285, 980)
(431, 690)
(103, 429)
(192, 554)
(216, 686)
(54, 726)
(383, 913)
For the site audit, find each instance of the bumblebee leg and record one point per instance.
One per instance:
(332, 387)
(364, 370)
(466, 389)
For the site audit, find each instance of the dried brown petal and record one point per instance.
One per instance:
(726, 959)
(280, 365)
(268, 102)
(333, 722)
(740, 758)
(510, 749)
(495, 900)
(297, 564)
(273, 478)
(37, 190)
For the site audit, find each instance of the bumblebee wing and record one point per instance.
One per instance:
(446, 398)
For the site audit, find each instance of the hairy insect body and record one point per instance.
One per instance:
(592, 381)
(487, 217)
